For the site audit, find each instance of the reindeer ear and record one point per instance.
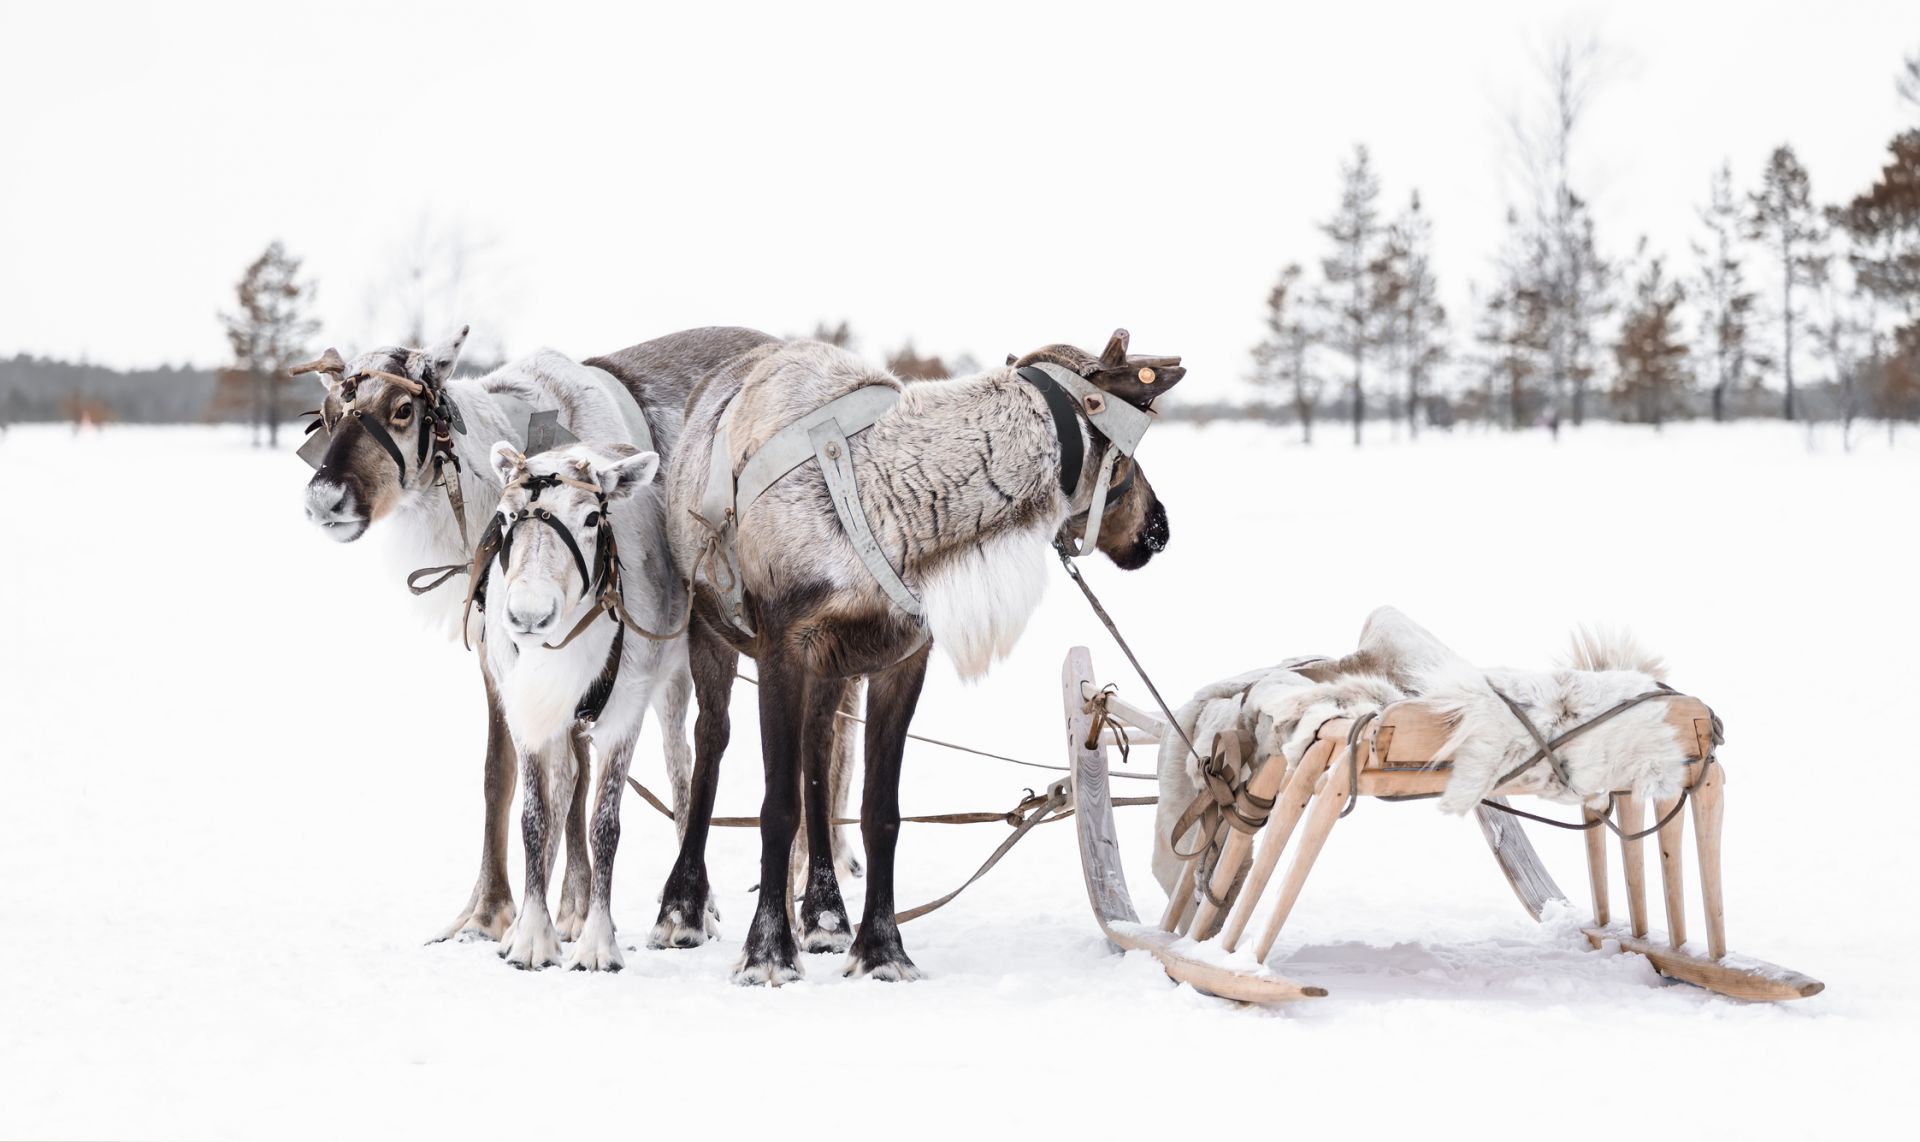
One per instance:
(1116, 352)
(506, 462)
(1013, 358)
(628, 474)
(443, 357)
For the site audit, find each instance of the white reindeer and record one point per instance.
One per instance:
(378, 468)
(584, 629)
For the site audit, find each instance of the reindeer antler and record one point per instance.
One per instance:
(1116, 353)
(329, 362)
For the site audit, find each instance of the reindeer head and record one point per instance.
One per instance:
(377, 407)
(556, 539)
(1134, 527)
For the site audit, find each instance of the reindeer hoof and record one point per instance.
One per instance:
(489, 920)
(766, 973)
(672, 930)
(534, 944)
(878, 954)
(597, 950)
(826, 933)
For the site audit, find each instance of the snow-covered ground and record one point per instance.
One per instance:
(242, 786)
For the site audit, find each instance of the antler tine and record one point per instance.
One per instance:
(407, 383)
(1116, 353)
(328, 362)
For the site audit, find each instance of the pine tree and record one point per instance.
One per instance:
(1725, 303)
(1415, 319)
(1352, 274)
(1570, 281)
(1782, 215)
(267, 333)
(1651, 353)
(1512, 330)
(1280, 359)
(911, 366)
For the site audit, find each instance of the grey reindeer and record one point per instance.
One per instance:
(360, 482)
(965, 485)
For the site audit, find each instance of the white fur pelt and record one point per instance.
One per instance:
(1280, 709)
(978, 602)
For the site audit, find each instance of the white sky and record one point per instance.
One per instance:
(982, 178)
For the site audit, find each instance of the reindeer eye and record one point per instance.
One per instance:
(403, 410)
(593, 519)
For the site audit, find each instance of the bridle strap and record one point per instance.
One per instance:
(380, 434)
(542, 515)
(1066, 425)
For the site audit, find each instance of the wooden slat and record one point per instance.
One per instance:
(1670, 836)
(1629, 812)
(1526, 875)
(1597, 869)
(1326, 809)
(1265, 784)
(1273, 839)
(1708, 809)
(1753, 979)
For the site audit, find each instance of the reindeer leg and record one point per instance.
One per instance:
(823, 914)
(877, 950)
(840, 771)
(533, 943)
(846, 860)
(597, 949)
(687, 916)
(670, 701)
(489, 909)
(576, 885)
(770, 955)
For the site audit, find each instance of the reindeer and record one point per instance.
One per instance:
(373, 470)
(361, 480)
(964, 484)
(580, 543)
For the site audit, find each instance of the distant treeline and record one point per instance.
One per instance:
(39, 389)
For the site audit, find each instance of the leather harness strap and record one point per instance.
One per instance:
(1066, 425)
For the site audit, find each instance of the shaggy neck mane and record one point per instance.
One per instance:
(966, 474)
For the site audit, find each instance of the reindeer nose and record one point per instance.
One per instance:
(526, 622)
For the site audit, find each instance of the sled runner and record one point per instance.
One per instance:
(1207, 938)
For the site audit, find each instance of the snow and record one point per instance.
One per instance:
(243, 786)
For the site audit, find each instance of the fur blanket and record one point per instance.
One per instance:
(1280, 709)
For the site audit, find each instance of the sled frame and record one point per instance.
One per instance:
(1398, 758)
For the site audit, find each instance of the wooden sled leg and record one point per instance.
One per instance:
(1629, 811)
(1706, 834)
(1671, 869)
(1597, 869)
(1525, 872)
(1326, 809)
(1264, 784)
(1273, 839)
(1170, 920)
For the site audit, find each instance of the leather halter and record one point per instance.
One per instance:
(602, 583)
(442, 416)
(1071, 398)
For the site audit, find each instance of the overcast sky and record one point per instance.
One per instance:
(978, 177)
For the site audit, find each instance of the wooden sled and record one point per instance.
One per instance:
(1203, 945)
